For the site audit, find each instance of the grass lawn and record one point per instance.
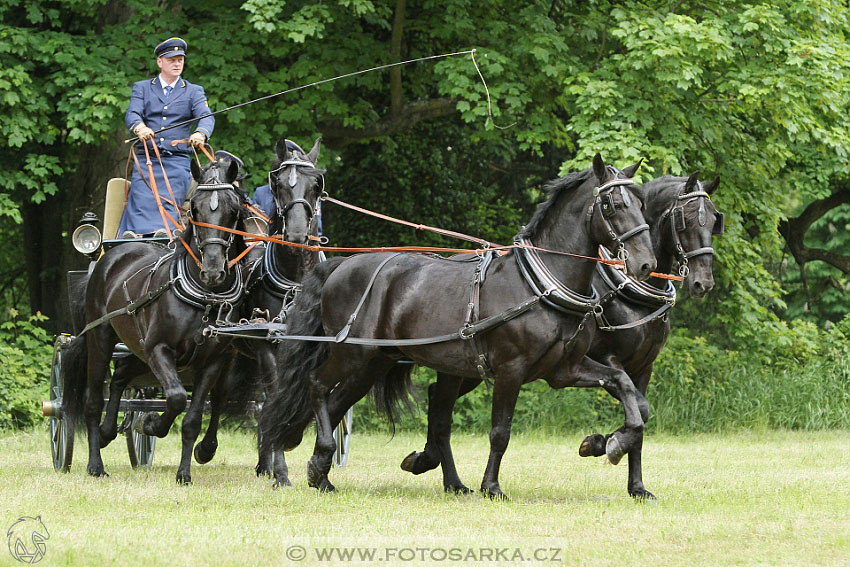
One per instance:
(761, 498)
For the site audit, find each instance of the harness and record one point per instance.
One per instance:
(186, 288)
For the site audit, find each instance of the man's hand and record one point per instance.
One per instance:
(143, 132)
(197, 139)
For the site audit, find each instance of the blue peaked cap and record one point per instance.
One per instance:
(171, 47)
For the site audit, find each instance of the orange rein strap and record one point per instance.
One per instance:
(278, 239)
(442, 231)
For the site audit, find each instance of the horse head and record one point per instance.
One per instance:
(296, 185)
(691, 220)
(218, 204)
(616, 220)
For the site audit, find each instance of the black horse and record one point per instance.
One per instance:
(682, 219)
(534, 312)
(271, 284)
(156, 300)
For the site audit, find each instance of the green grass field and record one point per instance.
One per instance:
(737, 499)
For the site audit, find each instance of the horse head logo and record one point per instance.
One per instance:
(26, 539)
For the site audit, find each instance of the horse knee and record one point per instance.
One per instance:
(175, 400)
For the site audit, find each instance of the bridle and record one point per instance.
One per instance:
(292, 181)
(676, 213)
(603, 200)
(201, 245)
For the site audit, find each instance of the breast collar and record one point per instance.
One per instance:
(550, 288)
(631, 289)
(194, 293)
(275, 282)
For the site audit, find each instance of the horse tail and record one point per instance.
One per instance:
(289, 409)
(392, 393)
(74, 378)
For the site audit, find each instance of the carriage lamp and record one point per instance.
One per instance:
(86, 237)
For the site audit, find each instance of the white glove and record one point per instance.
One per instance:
(197, 139)
(142, 131)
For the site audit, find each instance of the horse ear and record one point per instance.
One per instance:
(313, 156)
(196, 171)
(599, 169)
(232, 171)
(632, 169)
(691, 182)
(280, 150)
(711, 187)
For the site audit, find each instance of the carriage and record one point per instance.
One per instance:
(143, 395)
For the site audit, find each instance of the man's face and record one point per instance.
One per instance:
(171, 67)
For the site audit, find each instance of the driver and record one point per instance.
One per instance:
(154, 104)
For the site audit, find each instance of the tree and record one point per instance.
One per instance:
(755, 92)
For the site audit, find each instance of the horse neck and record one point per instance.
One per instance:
(564, 229)
(662, 238)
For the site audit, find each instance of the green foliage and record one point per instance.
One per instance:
(25, 352)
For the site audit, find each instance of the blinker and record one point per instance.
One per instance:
(679, 219)
(608, 209)
(627, 201)
(719, 224)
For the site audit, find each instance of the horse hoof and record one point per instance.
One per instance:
(282, 484)
(203, 455)
(184, 479)
(592, 446)
(418, 463)
(643, 495)
(97, 472)
(263, 471)
(140, 424)
(457, 489)
(317, 479)
(495, 493)
(614, 450)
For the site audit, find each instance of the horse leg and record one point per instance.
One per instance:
(505, 394)
(162, 364)
(109, 428)
(205, 450)
(596, 445)
(442, 395)
(269, 460)
(319, 464)
(194, 415)
(98, 371)
(329, 410)
(591, 373)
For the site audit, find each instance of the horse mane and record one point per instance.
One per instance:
(555, 189)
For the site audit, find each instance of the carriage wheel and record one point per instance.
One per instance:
(140, 447)
(61, 429)
(342, 436)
